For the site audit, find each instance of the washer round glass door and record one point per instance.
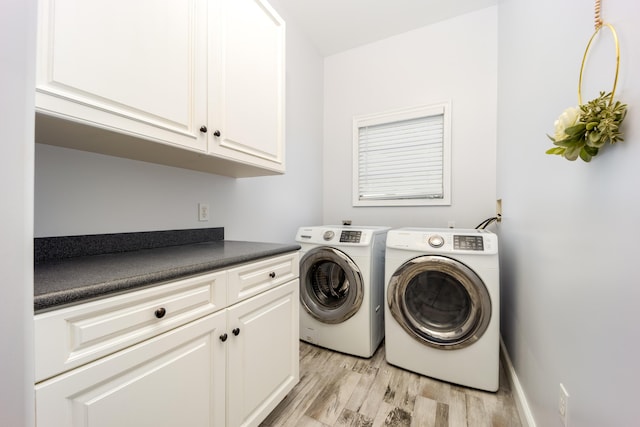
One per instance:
(331, 285)
(439, 301)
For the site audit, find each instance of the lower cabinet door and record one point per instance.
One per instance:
(174, 379)
(263, 353)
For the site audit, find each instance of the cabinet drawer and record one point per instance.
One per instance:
(67, 338)
(253, 278)
(174, 379)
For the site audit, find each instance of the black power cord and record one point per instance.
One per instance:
(486, 222)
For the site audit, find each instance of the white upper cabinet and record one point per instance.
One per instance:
(131, 67)
(154, 80)
(246, 82)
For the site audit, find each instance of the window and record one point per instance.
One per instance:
(402, 158)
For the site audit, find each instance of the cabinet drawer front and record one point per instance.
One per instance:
(174, 379)
(70, 337)
(256, 277)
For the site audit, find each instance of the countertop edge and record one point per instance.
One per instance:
(49, 301)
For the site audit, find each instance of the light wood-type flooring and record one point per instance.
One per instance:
(341, 390)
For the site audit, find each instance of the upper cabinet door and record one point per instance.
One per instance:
(247, 83)
(137, 68)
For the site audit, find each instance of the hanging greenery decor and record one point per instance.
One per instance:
(582, 131)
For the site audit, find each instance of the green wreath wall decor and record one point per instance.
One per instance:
(582, 131)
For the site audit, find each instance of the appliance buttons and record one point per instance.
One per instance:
(436, 241)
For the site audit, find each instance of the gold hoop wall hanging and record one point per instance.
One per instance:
(582, 131)
(586, 53)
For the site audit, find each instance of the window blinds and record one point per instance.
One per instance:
(402, 160)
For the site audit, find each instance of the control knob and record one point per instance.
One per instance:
(436, 241)
(328, 235)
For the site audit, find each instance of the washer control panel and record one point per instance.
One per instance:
(350, 236)
(468, 243)
(341, 235)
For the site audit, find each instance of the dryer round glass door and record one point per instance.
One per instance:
(331, 285)
(439, 301)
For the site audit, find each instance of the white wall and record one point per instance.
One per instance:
(17, 89)
(570, 230)
(452, 60)
(85, 193)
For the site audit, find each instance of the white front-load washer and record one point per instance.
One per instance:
(442, 304)
(342, 287)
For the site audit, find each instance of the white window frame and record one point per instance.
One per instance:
(442, 108)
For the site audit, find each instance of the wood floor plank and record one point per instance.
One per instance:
(310, 422)
(296, 402)
(377, 391)
(442, 415)
(477, 414)
(339, 390)
(349, 418)
(391, 416)
(424, 412)
(435, 390)
(315, 359)
(363, 390)
(457, 408)
(403, 389)
(329, 403)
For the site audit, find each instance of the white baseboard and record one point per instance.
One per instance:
(526, 417)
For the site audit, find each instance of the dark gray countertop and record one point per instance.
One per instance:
(67, 281)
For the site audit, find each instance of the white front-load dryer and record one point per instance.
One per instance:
(442, 304)
(342, 287)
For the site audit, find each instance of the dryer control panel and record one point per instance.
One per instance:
(468, 243)
(443, 241)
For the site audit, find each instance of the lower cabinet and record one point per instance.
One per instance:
(262, 360)
(228, 368)
(175, 379)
